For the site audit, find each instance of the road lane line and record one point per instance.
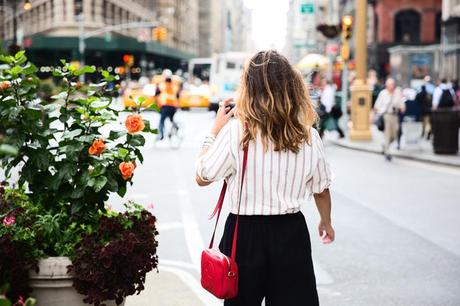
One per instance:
(166, 226)
(193, 238)
(177, 263)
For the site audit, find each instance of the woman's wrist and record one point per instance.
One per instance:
(326, 221)
(215, 130)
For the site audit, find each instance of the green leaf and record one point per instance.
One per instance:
(73, 134)
(30, 69)
(91, 182)
(85, 69)
(6, 149)
(6, 58)
(4, 302)
(154, 107)
(30, 302)
(19, 54)
(122, 153)
(107, 76)
(99, 105)
(57, 73)
(40, 159)
(16, 70)
(122, 191)
(141, 99)
(136, 140)
(114, 135)
(66, 171)
(100, 183)
(77, 193)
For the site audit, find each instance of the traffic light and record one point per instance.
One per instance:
(128, 59)
(160, 33)
(347, 27)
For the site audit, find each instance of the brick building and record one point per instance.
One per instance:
(402, 22)
(397, 23)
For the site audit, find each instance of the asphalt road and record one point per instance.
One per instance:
(397, 223)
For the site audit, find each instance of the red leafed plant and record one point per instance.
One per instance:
(112, 262)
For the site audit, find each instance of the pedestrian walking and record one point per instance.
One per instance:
(443, 95)
(330, 109)
(388, 106)
(274, 119)
(424, 101)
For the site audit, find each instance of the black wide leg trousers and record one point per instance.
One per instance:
(274, 260)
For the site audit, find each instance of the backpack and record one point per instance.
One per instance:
(447, 100)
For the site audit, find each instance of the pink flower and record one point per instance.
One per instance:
(9, 221)
(150, 206)
(20, 301)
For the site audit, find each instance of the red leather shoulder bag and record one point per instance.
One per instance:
(219, 273)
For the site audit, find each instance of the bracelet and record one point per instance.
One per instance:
(208, 141)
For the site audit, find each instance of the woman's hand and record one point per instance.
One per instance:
(224, 113)
(326, 232)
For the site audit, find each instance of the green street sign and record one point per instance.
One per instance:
(307, 8)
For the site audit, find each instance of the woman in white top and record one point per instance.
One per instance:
(286, 164)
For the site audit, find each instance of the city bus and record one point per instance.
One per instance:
(221, 73)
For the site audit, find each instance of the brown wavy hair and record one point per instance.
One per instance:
(274, 100)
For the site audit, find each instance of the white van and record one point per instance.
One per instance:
(224, 71)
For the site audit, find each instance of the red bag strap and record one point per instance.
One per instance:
(220, 203)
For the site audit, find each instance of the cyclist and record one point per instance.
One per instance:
(167, 95)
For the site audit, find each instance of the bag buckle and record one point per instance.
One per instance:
(231, 274)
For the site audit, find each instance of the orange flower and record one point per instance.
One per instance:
(134, 123)
(127, 169)
(4, 85)
(97, 147)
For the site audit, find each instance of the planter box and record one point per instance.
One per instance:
(52, 286)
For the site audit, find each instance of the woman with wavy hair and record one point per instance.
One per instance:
(274, 119)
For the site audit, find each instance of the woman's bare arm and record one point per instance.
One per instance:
(222, 117)
(323, 204)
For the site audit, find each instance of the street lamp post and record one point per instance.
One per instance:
(360, 91)
(13, 7)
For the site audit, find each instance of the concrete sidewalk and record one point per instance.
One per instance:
(166, 288)
(423, 151)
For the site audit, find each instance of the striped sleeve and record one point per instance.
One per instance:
(218, 162)
(322, 177)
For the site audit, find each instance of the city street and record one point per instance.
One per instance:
(396, 224)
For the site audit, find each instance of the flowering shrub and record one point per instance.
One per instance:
(111, 262)
(63, 156)
(67, 168)
(17, 254)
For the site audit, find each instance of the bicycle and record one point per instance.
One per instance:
(174, 133)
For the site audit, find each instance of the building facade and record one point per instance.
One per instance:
(450, 43)
(51, 28)
(303, 18)
(225, 25)
(398, 23)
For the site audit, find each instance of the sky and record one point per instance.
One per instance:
(268, 22)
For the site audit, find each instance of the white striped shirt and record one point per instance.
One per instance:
(275, 183)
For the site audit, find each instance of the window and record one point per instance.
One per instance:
(78, 7)
(407, 27)
(438, 26)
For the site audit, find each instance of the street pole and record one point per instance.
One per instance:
(344, 118)
(81, 43)
(15, 23)
(360, 91)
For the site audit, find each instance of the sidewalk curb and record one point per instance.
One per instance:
(397, 154)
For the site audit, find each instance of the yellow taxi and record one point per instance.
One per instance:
(133, 93)
(195, 96)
